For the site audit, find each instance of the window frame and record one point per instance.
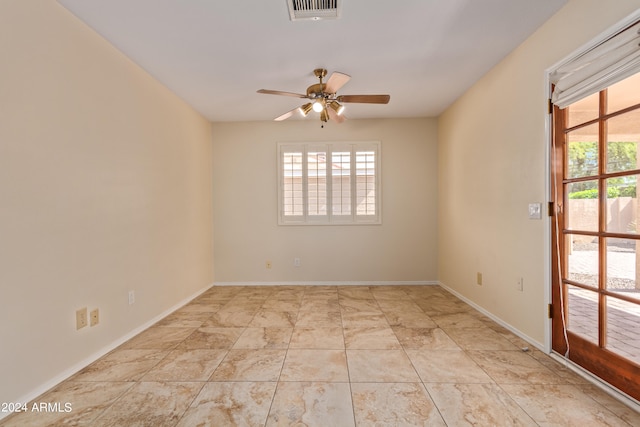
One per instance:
(353, 147)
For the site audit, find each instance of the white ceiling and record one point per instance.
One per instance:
(215, 54)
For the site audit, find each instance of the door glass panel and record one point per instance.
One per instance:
(583, 313)
(623, 94)
(584, 110)
(621, 264)
(582, 152)
(582, 259)
(623, 135)
(582, 206)
(622, 206)
(623, 337)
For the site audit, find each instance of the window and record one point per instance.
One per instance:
(329, 183)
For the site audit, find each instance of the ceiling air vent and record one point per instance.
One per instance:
(314, 9)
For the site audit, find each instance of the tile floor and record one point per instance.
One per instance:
(327, 356)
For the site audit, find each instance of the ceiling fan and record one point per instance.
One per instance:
(324, 98)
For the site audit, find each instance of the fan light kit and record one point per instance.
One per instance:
(317, 106)
(324, 98)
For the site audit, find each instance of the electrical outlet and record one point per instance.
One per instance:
(520, 285)
(479, 278)
(81, 318)
(268, 264)
(94, 317)
(132, 297)
(296, 262)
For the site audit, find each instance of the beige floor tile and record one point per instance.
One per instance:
(274, 319)
(327, 356)
(441, 305)
(394, 404)
(447, 366)
(288, 292)
(150, 404)
(184, 319)
(230, 317)
(281, 305)
(202, 306)
(320, 293)
(315, 365)
(329, 338)
(620, 409)
(230, 404)
(243, 304)
(86, 400)
(311, 404)
(391, 366)
(319, 319)
(479, 339)
(250, 365)
(457, 320)
(186, 365)
(477, 405)
(560, 369)
(159, 338)
(389, 292)
(212, 338)
(318, 304)
(507, 367)
(359, 305)
(363, 319)
(264, 338)
(398, 306)
(213, 299)
(121, 365)
(409, 319)
(371, 338)
(561, 405)
(424, 338)
(355, 292)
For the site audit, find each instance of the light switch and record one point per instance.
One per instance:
(535, 210)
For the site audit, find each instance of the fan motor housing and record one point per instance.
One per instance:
(316, 90)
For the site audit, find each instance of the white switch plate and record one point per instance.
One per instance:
(535, 210)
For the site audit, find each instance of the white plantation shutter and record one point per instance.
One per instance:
(292, 196)
(317, 183)
(366, 182)
(609, 62)
(341, 183)
(333, 183)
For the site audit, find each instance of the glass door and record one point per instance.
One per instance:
(596, 268)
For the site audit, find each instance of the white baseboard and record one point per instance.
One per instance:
(67, 373)
(332, 283)
(540, 346)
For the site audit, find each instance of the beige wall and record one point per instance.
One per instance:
(105, 186)
(491, 147)
(246, 228)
